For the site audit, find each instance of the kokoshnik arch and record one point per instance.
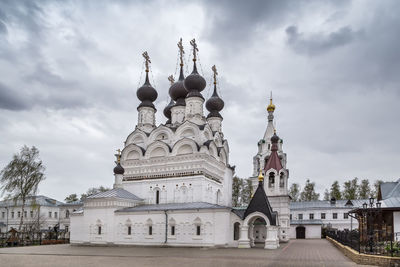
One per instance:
(173, 182)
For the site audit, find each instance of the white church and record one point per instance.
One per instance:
(173, 181)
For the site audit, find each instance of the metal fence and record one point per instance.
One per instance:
(44, 237)
(377, 242)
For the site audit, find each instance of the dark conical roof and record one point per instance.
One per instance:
(177, 91)
(119, 169)
(146, 93)
(194, 83)
(259, 202)
(167, 109)
(214, 104)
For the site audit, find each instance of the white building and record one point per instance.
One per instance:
(173, 181)
(307, 218)
(39, 210)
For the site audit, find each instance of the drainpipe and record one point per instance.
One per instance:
(7, 220)
(166, 226)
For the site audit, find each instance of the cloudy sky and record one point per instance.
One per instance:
(70, 70)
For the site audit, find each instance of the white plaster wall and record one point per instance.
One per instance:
(197, 188)
(214, 225)
(312, 231)
(339, 223)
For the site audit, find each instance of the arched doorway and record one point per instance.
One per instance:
(259, 230)
(300, 232)
(256, 228)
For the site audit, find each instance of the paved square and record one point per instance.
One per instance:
(317, 252)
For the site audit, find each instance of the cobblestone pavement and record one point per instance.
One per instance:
(318, 252)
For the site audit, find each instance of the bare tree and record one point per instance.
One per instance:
(21, 177)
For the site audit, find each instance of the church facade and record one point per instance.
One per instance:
(173, 181)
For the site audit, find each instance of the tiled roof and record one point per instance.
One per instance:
(273, 162)
(173, 206)
(38, 200)
(325, 204)
(306, 222)
(390, 189)
(116, 193)
(393, 202)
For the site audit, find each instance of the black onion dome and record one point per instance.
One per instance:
(167, 109)
(195, 83)
(119, 169)
(274, 139)
(177, 91)
(215, 103)
(147, 94)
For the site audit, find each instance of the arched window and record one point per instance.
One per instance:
(158, 197)
(150, 227)
(271, 179)
(198, 230)
(99, 230)
(128, 225)
(197, 224)
(282, 181)
(236, 231)
(172, 225)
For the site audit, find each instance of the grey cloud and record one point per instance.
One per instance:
(10, 100)
(3, 28)
(318, 43)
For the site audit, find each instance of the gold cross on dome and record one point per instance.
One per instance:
(147, 60)
(195, 49)
(118, 155)
(171, 79)
(214, 69)
(181, 51)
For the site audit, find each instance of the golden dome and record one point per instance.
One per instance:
(271, 107)
(260, 177)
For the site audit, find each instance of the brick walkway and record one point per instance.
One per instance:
(296, 253)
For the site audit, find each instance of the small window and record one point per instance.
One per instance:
(311, 216)
(129, 230)
(158, 197)
(198, 230)
(345, 215)
(300, 216)
(334, 215)
(19, 214)
(173, 230)
(290, 216)
(66, 228)
(49, 214)
(99, 230)
(12, 215)
(323, 216)
(25, 213)
(3, 215)
(150, 230)
(67, 214)
(31, 213)
(55, 215)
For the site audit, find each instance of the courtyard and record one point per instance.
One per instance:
(317, 252)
